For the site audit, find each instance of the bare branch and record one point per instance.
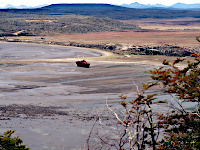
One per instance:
(116, 115)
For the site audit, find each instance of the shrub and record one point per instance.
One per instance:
(9, 143)
(141, 127)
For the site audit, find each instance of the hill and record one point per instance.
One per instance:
(118, 12)
(107, 10)
(47, 24)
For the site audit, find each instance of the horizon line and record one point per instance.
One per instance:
(11, 5)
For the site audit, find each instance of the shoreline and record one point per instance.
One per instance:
(51, 43)
(101, 52)
(105, 55)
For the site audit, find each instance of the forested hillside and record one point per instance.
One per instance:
(37, 24)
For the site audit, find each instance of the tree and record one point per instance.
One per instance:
(140, 127)
(197, 38)
(9, 143)
(183, 85)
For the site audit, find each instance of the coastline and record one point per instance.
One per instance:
(101, 52)
(105, 55)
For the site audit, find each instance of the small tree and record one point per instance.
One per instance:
(197, 38)
(178, 128)
(9, 143)
(184, 86)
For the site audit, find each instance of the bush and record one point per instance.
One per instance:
(141, 127)
(9, 143)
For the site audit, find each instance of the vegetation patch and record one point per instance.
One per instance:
(37, 24)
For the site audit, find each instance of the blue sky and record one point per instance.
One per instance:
(117, 2)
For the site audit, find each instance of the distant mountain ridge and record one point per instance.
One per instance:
(107, 10)
(138, 5)
(186, 6)
(132, 5)
(9, 6)
(175, 6)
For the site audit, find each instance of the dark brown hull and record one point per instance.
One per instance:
(83, 64)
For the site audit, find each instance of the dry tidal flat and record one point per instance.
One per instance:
(52, 103)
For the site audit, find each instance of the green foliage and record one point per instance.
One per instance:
(9, 143)
(184, 132)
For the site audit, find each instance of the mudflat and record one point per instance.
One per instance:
(52, 103)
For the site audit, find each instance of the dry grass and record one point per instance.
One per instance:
(167, 24)
(48, 21)
(159, 34)
(153, 38)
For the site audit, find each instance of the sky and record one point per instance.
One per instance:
(115, 2)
